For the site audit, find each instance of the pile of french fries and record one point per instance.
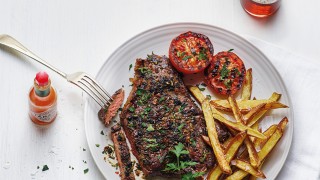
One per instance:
(247, 150)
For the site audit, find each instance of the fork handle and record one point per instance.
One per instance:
(10, 42)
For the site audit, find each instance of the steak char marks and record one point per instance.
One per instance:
(159, 113)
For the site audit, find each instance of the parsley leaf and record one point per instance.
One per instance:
(150, 128)
(224, 72)
(178, 150)
(131, 109)
(45, 168)
(186, 58)
(86, 171)
(230, 50)
(130, 66)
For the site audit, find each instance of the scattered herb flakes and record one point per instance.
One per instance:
(162, 99)
(84, 161)
(208, 97)
(97, 145)
(130, 66)
(150, 140)
(224, 72)
(83, 149)
(182, 107)
(131, 109)
(230, 50)
(203, 84)
(187, 57)
(181, 126)
(102, 133)
(227, 83)
(72, 168)
(144, 124)
(86, 171)
(45, 168)
(150, 128)
(38, 167)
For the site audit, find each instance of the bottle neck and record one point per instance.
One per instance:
(42, 90)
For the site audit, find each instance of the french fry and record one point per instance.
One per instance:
(213, 135)
(246, 105)
(197, 93)
(270, 144)
(231, 151)
(235, 109)
(240, 174)
(274, 97)
(237, 126)
(283, 123)
(253, 112)
(253, 155)
(255, 126)
(247, 85)
(245, 166)
(258, 143)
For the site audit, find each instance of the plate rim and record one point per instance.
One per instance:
(168, 25)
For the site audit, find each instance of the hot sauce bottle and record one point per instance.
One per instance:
(42, 100)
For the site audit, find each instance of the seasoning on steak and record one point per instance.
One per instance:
(159, 113)
(122, 153)
(106, 114)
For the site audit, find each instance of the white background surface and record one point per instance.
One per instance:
(80, 35)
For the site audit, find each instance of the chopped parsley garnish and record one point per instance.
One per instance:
(83, 149)
(130, 66)
(208, 96)
(150, 128)
(38, 167)
(230, 50)
(144, 70)
(224, 72)
(144, 124)
(162, 99)
(180, 127)
(182, 107)
(203, 54)
(131, 109)
(86, 171)
(186, 58)
(227, 83)
(97, 145)
(84, 161)
(45, 168)
(102, 133)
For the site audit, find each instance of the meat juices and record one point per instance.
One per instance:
(122, 153)
(159, 113)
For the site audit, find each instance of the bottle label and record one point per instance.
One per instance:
(45, 116)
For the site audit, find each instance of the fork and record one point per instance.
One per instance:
(80, 79)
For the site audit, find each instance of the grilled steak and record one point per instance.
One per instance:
(122, 153)
(106, 115)
(159, 113)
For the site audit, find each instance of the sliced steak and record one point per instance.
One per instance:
(106, 114)
(159, 113)
(122, 153)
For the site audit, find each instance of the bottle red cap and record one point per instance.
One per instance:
(42, 78)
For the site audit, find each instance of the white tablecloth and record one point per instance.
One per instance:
(301, 77)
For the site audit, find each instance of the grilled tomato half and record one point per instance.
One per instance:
(190, 52)
(225, 73)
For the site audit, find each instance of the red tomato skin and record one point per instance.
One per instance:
(203, 46)
(226, 73)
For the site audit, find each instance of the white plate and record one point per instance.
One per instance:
(115, 72)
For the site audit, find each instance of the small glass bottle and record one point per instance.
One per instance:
(42, 100)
